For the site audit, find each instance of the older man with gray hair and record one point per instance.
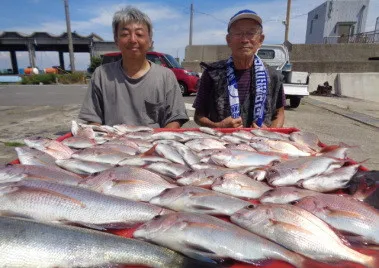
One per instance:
(240, 91)
(133, 91)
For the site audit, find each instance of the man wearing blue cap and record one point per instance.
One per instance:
(240, 91)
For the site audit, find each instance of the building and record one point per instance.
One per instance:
(334, 21)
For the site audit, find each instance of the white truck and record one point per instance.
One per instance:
(295, 83)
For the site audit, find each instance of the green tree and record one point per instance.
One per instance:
(95, 62)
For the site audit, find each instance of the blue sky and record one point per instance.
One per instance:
(170, 20)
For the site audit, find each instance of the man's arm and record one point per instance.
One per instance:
(174, 124)
(92, 110)
(176, 113)
(279, 118)
(228, 122)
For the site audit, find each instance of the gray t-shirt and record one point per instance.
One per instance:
(114, 98)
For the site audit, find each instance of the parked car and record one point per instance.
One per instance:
(187, 79)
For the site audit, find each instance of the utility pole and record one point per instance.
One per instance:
(191, 22)
(287, 21)
(70, 45)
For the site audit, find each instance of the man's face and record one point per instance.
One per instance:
(133, 40)
(244, 38)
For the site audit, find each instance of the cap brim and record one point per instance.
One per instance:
(245, 16)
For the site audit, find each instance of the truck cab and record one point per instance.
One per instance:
(295, 84)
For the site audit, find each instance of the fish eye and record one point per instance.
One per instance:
(294, 202)
(157, 217)
(272, 171)
(250, 206)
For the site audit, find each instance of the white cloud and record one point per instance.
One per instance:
(171, 22)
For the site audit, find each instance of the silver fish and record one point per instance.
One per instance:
(169, 153)
(346, 214)
(280, 146)
(196, 199)
(14, 173)
(30, 156)
(240, 185)
(102, 155)
(308, 139)
(123, 129)
(298, 230)
(243, 134)
(82, 167)
(189, 156)
(330, 181)
(52, 202)
(199, 145)
(81, 142)
(290, 172)
(167, 135)
(257, 174)
(283, 195)
(236, 159)
(203, 236)
(142, 161)
(51, 147)
(172, 170)
(270, 134)
(211, 131)
(132, 183)
(200, 177)
(233, 139)
(47, 246)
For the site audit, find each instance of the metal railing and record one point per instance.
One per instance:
(365, 38)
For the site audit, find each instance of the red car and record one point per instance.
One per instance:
(187, 79)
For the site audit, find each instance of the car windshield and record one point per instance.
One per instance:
(173, 61)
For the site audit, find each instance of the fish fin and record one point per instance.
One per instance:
(203, 208)
(199, 257)
(149, 152)
(289, 226)
(198, 248)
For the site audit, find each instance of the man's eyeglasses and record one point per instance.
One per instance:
(248, 35)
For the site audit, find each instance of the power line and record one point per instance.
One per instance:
(203, 13)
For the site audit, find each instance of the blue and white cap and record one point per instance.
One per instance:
(245, 14)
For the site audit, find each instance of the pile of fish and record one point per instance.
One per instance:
(196, 199)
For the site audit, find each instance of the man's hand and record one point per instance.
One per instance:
(230, 122)
(256, 126)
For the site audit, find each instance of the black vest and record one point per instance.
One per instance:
(220, 107)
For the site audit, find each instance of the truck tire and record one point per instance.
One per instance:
(183, 89)
(294, 102)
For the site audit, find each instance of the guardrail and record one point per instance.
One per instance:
(365, 38)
